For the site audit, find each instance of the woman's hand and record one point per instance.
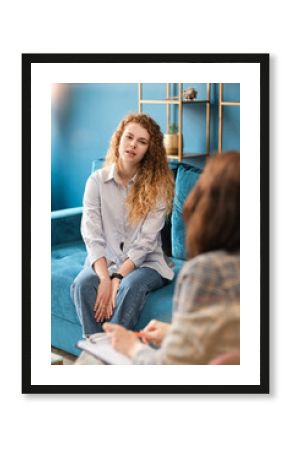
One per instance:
(103, 307)
(124, 341)
(154, 332)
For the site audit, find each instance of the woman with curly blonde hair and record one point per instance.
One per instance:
(125, 207)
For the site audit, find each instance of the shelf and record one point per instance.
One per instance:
(187, 156)
(195, 101)
(194, 155)
(159, 102)
(230, 103)
(172, 102)
(184, 100)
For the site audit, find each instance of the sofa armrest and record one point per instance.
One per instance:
(65, 225)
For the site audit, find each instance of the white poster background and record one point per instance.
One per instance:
(42, 77)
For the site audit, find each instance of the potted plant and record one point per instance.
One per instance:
(171, 140)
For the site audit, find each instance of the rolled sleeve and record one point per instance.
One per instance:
(147, 355)
(91, 225)
(198, 337)
(147, 239)
(195, 338)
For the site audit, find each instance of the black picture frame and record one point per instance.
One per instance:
(259, 59)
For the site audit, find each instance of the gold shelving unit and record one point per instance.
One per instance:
(180, 102)
(222, 103)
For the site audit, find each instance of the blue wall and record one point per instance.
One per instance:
(86, 115)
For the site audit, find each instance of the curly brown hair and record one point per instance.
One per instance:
(212, 209)
(154, 181)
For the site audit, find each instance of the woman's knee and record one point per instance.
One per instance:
(143, 279)
(87, 279)
(132, 284)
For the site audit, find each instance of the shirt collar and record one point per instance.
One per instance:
(110, 173)
(113, 175)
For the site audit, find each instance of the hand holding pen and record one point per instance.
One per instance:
(154, 332)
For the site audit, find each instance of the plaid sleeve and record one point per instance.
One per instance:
(206, 317)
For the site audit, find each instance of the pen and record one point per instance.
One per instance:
(139, 333)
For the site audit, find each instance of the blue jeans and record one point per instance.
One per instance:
(130, 298)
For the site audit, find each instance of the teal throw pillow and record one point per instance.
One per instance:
(185, 180)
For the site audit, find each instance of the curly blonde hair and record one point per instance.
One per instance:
(154, 181)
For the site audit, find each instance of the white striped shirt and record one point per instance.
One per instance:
(107, 232)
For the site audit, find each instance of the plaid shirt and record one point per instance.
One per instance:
(206, 316)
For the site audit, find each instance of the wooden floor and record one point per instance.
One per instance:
(67, 357)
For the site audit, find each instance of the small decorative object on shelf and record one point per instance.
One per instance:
(173, 129)
(189, 94)
(170, 140)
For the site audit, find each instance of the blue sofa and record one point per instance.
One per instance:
(68, 256)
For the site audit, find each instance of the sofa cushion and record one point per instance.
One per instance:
(67, 261)
(65, 334)
(186, 178)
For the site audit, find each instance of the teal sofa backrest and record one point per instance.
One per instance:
(186, 179)
(65, 225)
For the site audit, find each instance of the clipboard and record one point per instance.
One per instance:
(99, 345)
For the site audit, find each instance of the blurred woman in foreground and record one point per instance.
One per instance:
(206, 315)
